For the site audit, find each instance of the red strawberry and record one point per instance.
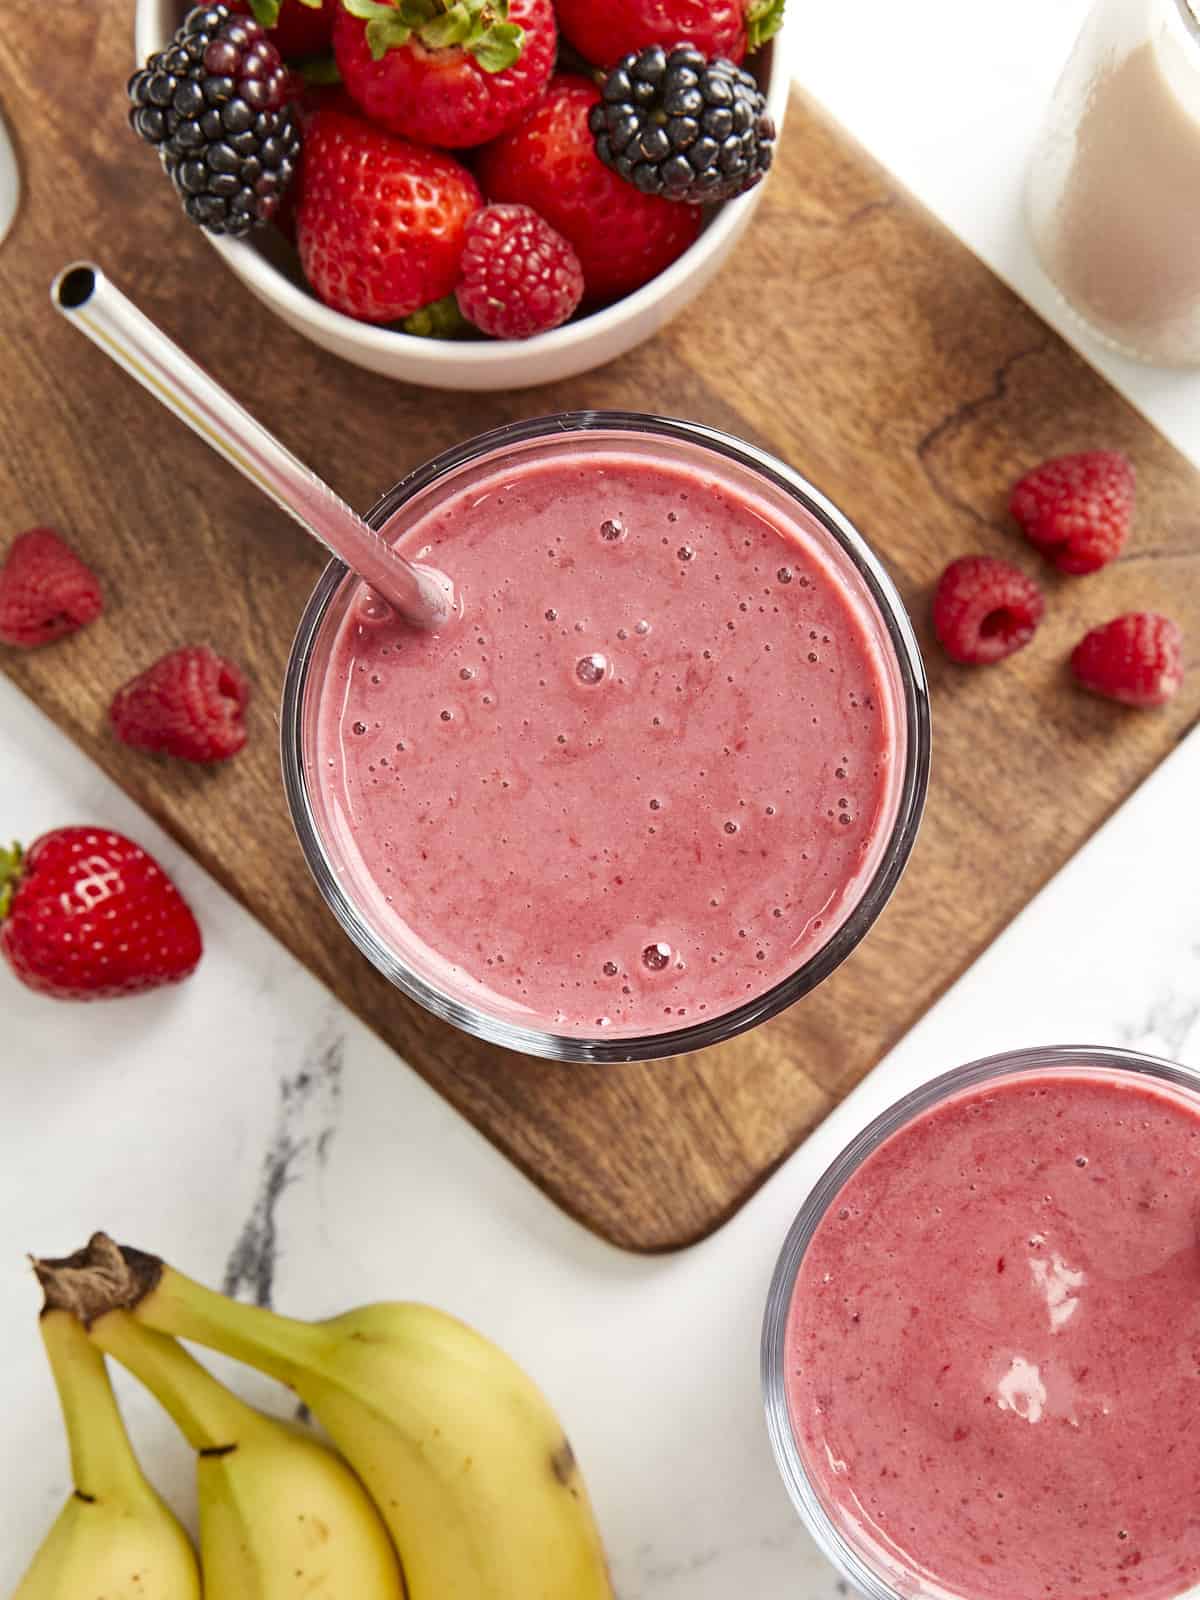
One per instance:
(603, 33)
(87, 915)
(188, 704)
(46, 591)
(1135, 659)
(297, 28)
(306, 98)
(1077, 509)
(381, 222)
(461, 77)
(519, 277)
(622, 237)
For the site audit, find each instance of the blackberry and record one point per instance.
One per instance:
(676, 124)
(214, 104)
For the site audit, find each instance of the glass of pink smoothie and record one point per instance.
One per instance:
(981, 1352)
(654, 781)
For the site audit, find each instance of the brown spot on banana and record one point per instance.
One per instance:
(565, 1467)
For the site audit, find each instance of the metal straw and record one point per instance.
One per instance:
(86, 297)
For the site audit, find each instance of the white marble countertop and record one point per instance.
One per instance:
(249, 1128)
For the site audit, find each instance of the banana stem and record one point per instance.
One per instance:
(207, 1413)
(103, 1464)
(278, 1346)
(105, 1277)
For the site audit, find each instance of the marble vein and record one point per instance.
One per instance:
(306, 1122)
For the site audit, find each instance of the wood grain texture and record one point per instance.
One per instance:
(851, 335)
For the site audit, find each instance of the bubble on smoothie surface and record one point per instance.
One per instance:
(656, 956)
(591, 669)
(642, 627)
(373, 609)
(612, 530)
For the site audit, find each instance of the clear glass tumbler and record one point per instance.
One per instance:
(326, 836)
(1112, 191)
(876, 1567)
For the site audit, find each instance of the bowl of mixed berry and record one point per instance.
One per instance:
(468, 194)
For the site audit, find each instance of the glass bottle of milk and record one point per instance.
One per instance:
(1114, 189)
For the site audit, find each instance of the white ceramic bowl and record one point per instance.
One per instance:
(269, 270)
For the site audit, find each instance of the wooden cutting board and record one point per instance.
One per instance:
(851, 335)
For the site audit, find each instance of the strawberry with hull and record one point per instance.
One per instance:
(86, 914)
(450, 76)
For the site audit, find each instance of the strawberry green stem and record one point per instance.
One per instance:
(440, 319)
(320, 71)
(763, 21)
(266, 12)
(10, 876)
(480, 27)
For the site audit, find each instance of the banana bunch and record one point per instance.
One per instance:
(281, 1517)
(460, 1452)
(114, 1537)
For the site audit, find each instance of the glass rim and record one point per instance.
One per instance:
(913, 713)
(851, 1563)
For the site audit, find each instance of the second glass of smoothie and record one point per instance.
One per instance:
(981, 1351)
(658, 776)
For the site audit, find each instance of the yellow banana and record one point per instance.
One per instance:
(114, 1537)
(281, 1516)
(461, 1452)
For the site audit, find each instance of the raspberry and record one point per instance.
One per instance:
(519, 277)
(46, 591)
(1135, 659)
(984, 609)
(1077, 509)
(188, 704)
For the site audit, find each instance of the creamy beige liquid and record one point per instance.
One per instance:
(1115, 192)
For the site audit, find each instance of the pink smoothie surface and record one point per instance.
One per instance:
(993, 1348)
(648, 772)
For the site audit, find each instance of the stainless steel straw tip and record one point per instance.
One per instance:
(94, 306)
(74, 286)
